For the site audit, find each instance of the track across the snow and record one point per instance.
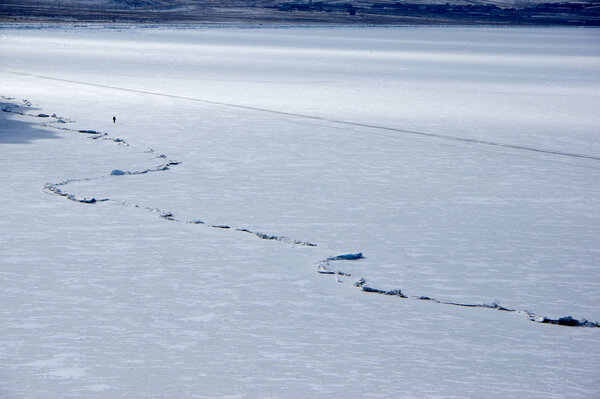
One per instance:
(319, 118)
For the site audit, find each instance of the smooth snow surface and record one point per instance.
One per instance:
(463, 163)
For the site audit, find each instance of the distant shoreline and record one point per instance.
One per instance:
(31, 24)
(310, 14)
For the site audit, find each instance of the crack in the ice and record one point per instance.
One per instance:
(55, 188)
(324, 268)
(159, 168)
(285, 239)
(323, 265)
(26, 103)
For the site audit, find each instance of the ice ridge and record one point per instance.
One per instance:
(324, 268)
(56, 188)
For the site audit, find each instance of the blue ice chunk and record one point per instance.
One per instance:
(569, 321)
(118, 172)
(347, 257)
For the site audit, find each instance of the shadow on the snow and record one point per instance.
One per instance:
(13, 131)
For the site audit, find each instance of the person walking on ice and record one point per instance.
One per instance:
(114, 119)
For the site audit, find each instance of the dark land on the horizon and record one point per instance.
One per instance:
(362, 12)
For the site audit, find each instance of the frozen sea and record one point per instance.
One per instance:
(463, 163)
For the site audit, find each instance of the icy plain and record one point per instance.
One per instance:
(463, 163)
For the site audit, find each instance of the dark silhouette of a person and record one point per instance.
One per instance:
(114, 119)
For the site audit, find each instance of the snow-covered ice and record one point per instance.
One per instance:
(462, 163)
